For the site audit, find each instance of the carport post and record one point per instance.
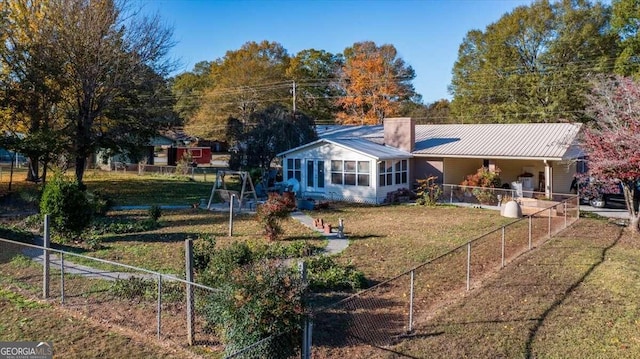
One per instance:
(45, 257)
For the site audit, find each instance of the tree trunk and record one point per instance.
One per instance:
(33, 172)
(13, 160)
(628, 188)
(633, 224)
(81, 161)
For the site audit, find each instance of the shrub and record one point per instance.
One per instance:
(122, 226)
(325, 273)
(67, 204)
(485, 179)
(254, 303)
(100, 203)
(271, 213)
(203, 250)
(146, 289)
(155, 212)
(222, 262)
(428, 191)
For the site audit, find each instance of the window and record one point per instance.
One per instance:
(390, 170)
(294, 168)
(350, 173)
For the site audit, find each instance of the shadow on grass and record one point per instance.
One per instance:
(352, 237)
(563, 296)
(148, 237)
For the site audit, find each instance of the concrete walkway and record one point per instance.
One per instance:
(335, 245)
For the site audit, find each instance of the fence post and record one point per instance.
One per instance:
(45, 257)
(61, 277)
(188, 247)
(468, 266)
(550, 222)
(530, 228)
(565, 213)
(159, 318)
(502, 249)
(233, 198)
(411, 303)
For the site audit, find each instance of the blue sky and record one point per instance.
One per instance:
(426, 33)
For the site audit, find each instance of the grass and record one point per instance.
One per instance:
(386, 241)
(129, 189)
(575, 297)
(162, 249)
(23, 319)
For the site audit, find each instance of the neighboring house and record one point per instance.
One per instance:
(364, 163)
(107, 161)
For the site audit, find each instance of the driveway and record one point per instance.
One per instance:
(607, 212)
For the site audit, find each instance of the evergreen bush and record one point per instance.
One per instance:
(67, 204)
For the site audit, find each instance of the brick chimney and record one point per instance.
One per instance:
(400, 132)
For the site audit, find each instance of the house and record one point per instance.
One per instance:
(365, 163)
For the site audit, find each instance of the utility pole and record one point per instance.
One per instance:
(294, 97)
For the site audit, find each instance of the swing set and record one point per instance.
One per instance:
(247, 191)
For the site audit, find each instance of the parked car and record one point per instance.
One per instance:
(613, 197)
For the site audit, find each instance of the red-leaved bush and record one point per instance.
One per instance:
(271, 213)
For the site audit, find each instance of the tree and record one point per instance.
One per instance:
(104, 51)
(273, 130)
(625, 23)
(243, 81)
(533, 64)
(612, 141)
(29, 80)
(315, 73)
(375, 82)
(188, 89)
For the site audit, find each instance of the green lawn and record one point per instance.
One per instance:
(574, 296)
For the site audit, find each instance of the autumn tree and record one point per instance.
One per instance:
(533, 64)
(242, 82)
(315, 74)
(29, 82)
(612, 141)
(188, 89)
(375, 82)
(105, 51)
(625, 23)
(83, 69)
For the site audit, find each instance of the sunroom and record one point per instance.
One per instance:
(354, 170)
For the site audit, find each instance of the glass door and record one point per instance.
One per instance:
(315, 175)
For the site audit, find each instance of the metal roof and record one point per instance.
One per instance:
(526, 140)
(359, 145)
(350, 131)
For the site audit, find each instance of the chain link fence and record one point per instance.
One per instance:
(366, 324)
(142, 301)
(371, 322)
